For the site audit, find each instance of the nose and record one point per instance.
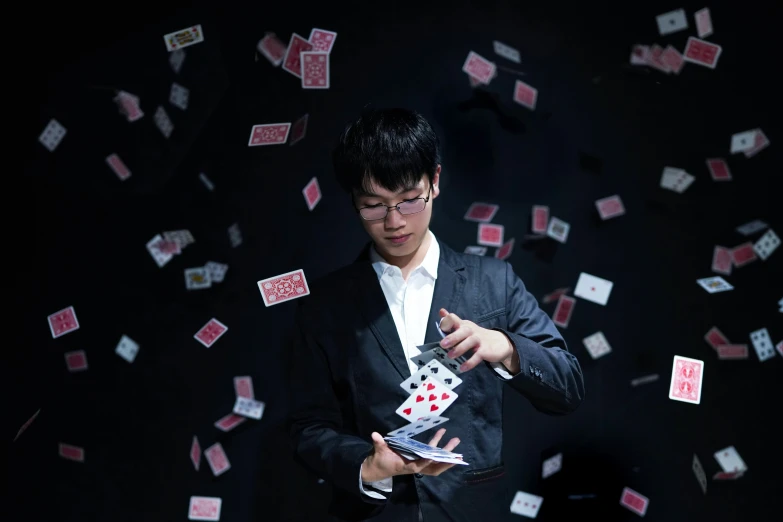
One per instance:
(394, 219)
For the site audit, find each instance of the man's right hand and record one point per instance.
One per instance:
(384, 462)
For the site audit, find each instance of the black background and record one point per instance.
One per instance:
(78, 237)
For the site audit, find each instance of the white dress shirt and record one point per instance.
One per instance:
(410, 302)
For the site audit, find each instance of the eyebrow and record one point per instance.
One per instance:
(364, 193)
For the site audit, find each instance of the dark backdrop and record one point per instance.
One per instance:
(79, 235)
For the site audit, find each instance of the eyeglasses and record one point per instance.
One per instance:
(409, 206)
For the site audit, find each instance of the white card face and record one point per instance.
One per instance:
(52, 135)
(672, 22)
(476, 250)
(249, 408)
(432, 398)
(526, 504)
(179, 96)
(433, 369)
(698, 470)
(127, 348)
(184, 38)
(506, 51)
(676, 179)
(197, 278)
(762, 142)
(766, 244)
(558, 229)
(593, 288)
(552, 465)
(714, 284)
(163, 122)
(217, 271)
(596, 345)
(762, 343)
(420, 426)
(729, 460)
(742, 141)
(751, 228)
(161, 258)
(176, 59)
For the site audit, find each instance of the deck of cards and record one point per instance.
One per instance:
(413, 449)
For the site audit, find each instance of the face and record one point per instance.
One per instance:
(413, 227)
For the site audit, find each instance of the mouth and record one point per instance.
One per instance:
(399, 239)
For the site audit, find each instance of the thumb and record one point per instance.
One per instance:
(377, 440)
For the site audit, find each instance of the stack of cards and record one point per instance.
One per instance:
(413, 449)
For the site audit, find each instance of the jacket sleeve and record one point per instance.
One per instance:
(550, 377)
(315, 420)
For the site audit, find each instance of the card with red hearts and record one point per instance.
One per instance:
(432, 398)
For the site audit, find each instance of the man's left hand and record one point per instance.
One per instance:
(487, 345)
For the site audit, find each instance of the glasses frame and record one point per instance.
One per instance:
(397, 206)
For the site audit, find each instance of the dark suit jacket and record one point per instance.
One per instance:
(350, 363)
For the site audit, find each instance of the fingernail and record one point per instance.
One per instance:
(462, 368)
(445, 342)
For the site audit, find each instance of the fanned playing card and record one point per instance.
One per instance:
(272, 48)
(766, 244)
(722, 262)
(434, 369)
(610, 207)
(540, 219)
(762, 343)
(703, 22)
(284, 287)
(597, 345)
(197, 278)
(593, 288)
(719, 169)
(730, 460)
(506, 250)
(418, 426)
(432, 398)
(479, 68)
(229, 422)
(702, 52)
(715, 338)
(243, 386)
(672, 22)
(525, 95)
(563, 311)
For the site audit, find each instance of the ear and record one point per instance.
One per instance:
(436, 182)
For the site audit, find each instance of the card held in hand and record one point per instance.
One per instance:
(432, 398)
(419, 426)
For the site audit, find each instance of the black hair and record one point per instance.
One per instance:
(393, 147)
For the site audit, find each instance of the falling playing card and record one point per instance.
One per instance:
(204, 508)
(766, 244)
(563, 311)
(703, 22)
(698, 470)
(779, 346)
(272, 48)
(761, 142)
(179, 96)
(284, 287)
(434, 369)
(752, 227)
(298, 130)
(243, 386)
(742, 141)
(217, 459)
(476, 250)
(721, 260)
(597, 345)
(432, 398)
(655, 59)
(63, 322)
(640, 54)
(291, 61)
(210, 332)
(762, 343)
(69, 452)
(26, 425)
(127, 348)
(195, 453)
(554, 296)
(552, 465)
(610, 207)
(525, 95)
(645, 380)
(593, 288)
(269, 134)
(176, 59)
(687, 378)
(632, 500)
(526, 504)
(312, 193)
(207, 183)
(715, 338)
(128, 105)
(732, 351)
(540, 219)
(672, 22)
(197, 278)
(119, 168)
(440, 354)
(558, 229)
(730, 460)
(702, 52)
(76, 361)
(743, 254)
(714, 284)
(481, 212)
(419, 426)
(52, 135)
(673, 59)
(235, 235)
(490, 234)
(163, 122)
(249, 408)
(506, 51)
(479, 68)
(505, 251)
(315, 70)
(322, 40)
(719, 169)
(676, 179)
(229, 422)
(217, 271)
(184, 38)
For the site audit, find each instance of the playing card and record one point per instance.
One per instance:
(419, 426)
(554, 296)
(742, 141)
(505, 251)
(291, 61)
(195, 453)
(312, 193)
(702, 52)
(204, 508)
(127, 348)
(673, 59)
(676, 179)
(762, 343)
(298, 130)
(525, 94)
(26, 425)
(426, 353)
(249, 408)
(272, 48)
(779, 346)
(184, 38)
(479, 68)
(563, 311)
(743, 254)
(703, 22)
(63, 322)
(420, 448)
(217, 459)
(634, 501)
(597, 345)
(229, 422)
(610, 207)
(197, 278)
(169, 247)
(476, 250)
(69, 452)
(540, 219)
(640, 54)
(434, 369)
(176, 59)
(730, 460)
(210, 332)
(715, 338)
(752, 227)
(672, 22)
(721, 260)
(655, 59)
(698, 470)
(119, 168)
(766, 244)
(128, 105)
(76, 361)
(687, 378)
(432, 398)
(719, 169)
(181, 238)
(506, 51)
(481, 212)
(761, 142)
(490, 235)
(436, 352)
(315, 70)
(727, 475)
(217, 271)
(552, 465)
(558, 229)
(179, 96)
(163, 122)
(714, 284)
(526, 504)
(207, 183)
(269, 134)
(733, 351)
(243, 386)
(283, 287)
(52, 135)
(593, 288)
(645, 380)
(322, 40)
(235, 235)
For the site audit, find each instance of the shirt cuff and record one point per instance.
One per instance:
(384, 485)
(501, 370)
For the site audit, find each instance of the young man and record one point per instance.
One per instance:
(356, 332)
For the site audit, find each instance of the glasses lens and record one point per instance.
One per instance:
(372, 213)
(411, 207)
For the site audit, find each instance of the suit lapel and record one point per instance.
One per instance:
(449, 287)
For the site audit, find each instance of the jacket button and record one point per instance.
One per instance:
(419, 475)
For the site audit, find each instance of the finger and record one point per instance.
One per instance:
(451, 444)
(469, 343)
(436, 439)
(455, 337)
(416, 466)
(377, 440)
(449, 322)
(472, 362)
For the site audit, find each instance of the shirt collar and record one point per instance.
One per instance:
(429, 264)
